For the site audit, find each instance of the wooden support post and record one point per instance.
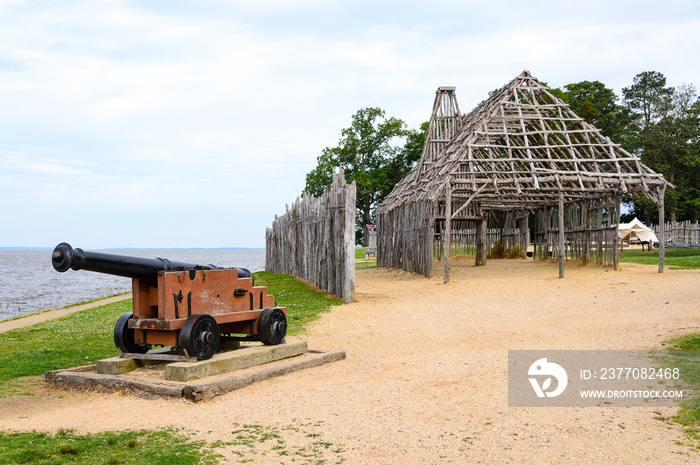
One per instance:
(547, 221)
(562, 255)
(662, 230)
(485, 240)
(526, 242)
(616, 237)
(480, 239)
(587, 232)
(448, 229)
(479, 246)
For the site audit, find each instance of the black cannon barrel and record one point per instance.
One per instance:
(64, 257)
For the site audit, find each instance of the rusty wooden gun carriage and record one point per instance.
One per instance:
(187, 306)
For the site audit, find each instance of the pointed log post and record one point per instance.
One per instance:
(481, 238)
(587, 233)
(562, 255)
(484, 240)
(527, 235)
(448, 229)
(547, 221)
(479, 261)
(662, 230)
(616, 237)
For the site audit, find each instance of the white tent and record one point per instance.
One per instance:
(636, 228)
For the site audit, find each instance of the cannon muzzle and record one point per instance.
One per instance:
(65, 257)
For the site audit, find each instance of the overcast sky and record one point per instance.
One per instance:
(191, 124)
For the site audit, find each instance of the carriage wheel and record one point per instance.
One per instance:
(200, 336)
(124, 336)
(272, 326)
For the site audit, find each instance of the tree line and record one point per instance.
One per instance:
(658, 123)
(654, 121)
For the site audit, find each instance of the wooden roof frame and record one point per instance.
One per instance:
(521, 148)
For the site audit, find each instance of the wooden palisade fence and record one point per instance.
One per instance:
(315, 240)
(681, 232)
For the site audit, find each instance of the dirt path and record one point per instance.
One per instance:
(425, 379)
(39, 317)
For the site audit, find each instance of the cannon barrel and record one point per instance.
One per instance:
(64, 257)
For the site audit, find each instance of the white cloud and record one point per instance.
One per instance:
(131, 106)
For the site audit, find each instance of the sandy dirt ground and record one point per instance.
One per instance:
(425, 379)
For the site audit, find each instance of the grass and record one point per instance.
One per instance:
(683, 355)
(360, 255)
(83, 302)
(77, 339)
(678, 259)
(164, 447)
(300, 442)
(360, 252)
(304, 303)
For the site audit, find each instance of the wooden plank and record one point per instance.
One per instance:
(118, 365)
(200, 390)
(232, 361)
(85, 377)
(88, 379)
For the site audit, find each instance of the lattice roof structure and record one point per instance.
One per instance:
(522, 150)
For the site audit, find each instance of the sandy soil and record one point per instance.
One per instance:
(425, 379)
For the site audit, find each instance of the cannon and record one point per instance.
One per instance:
(184, 305)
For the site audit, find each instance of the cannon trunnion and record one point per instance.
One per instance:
(182, 304)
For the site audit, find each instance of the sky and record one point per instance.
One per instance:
(159, 124)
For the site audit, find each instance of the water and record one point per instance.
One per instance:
(28, 282)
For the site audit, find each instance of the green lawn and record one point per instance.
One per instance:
(360, 255)
(681, 356)
(360, 252)
(680, 258)
(163, 447)
(77, 339)
(304, 303)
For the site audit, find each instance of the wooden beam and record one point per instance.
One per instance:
(662, 230)
(587, 234)
(480, 238)
(562, 255)
(616, 238)
(448, 228)
(468, 200)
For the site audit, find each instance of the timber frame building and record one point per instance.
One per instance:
(521, 152)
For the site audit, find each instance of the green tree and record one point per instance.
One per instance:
(665, 132)
(644, 95)
(408, 155)
(597, 104)
(367, 156)
(588, 112)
